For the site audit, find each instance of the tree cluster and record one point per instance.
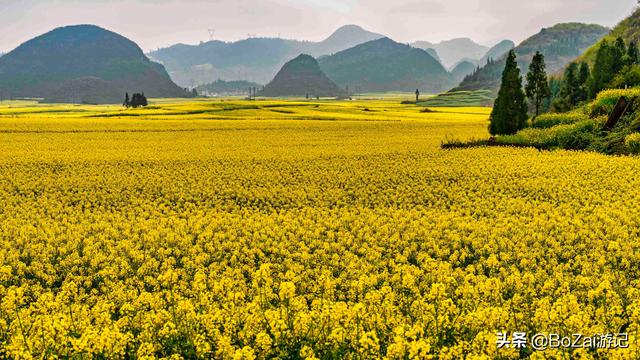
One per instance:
(137, 100)
(575, 87)
(617, 65)
(486, 74)
(614, 61)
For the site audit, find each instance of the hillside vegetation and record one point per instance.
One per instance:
(559, 44)
(628, 30)
(461, 70)
(584, 127)
(460, 99)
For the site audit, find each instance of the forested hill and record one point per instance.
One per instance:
(82, 63)
(385, 65)
(301, 77)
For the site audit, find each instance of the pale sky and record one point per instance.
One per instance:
(160, 23)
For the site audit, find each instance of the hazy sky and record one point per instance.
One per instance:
(159, 23)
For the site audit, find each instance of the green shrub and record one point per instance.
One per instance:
(545, 121)
(560, 105)
(629, 76)
(577, 136)
(632, 143)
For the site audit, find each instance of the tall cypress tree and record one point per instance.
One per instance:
(619, 50)
(632, 54)
(571, 86)
(603, 68)
(537, 88)
(509, 112)
(583, 79)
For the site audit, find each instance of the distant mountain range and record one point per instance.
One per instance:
(467, 66)
(344, 38)
(82, 64)
(254, 59)
(88, 64)
(560, 45)
(301, 77)
(385, 65)
(259, 59)
(453, 51)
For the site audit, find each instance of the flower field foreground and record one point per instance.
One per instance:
(328, 230)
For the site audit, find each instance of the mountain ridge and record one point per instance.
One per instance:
(454, 50)
(254, 59)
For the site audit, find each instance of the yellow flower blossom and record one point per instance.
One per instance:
(237, 230)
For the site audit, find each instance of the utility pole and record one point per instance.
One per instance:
(212, 32)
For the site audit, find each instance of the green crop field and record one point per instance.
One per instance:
(460, 99)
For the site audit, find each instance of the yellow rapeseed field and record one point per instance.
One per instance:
(303, 230)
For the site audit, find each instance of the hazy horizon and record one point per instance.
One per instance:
(167, 22)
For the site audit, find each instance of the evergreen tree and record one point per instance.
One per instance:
(138, 100)
(632, 54)
(537, 88)
(583, 79)
(509, 112)
(602, 72)
(571, 86)
(619, 51)
(126, 103)
(555, 85)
